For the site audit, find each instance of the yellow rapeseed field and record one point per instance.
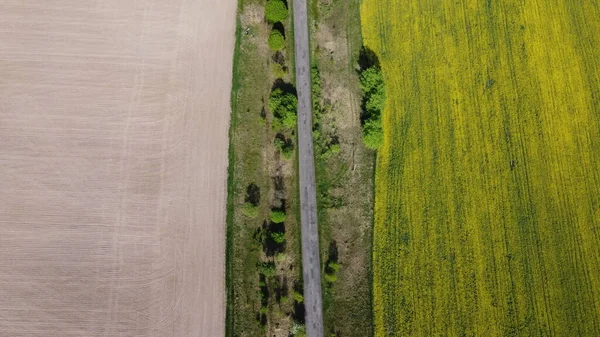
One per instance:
(487, 212)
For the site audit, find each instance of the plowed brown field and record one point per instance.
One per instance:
(113, 155)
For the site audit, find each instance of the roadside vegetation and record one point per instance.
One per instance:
(264, 269)
(487, 218)
(373, 98)
(344, 166)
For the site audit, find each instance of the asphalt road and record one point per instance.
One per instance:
(311, 263)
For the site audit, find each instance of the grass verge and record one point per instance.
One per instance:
(263, 250)
(344, 168)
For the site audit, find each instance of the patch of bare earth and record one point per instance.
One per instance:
(113, 155)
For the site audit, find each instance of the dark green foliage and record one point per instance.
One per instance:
(276, 40)
(284, 106)
(276, 11)
(267, 269)
(285, 147)
(373, 87)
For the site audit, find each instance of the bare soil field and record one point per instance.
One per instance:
(113, 155)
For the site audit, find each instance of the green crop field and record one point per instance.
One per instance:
(487, 207)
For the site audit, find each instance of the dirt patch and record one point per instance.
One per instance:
(114, 119)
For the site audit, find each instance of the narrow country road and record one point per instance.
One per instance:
(311, 262)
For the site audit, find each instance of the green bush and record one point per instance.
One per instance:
(250, 210)
(330, 151)
(264, 310)
(276, 11)
(373, 87)
(373, 133)
(267, 269)
(334, 266)
(278, 216)
(285, 147)
(298, 297)
(278, 237)
(298, 330)
(276, 40)
(371, 79)
(284, 108)
(277, 70)
(287, 153)
(330, 278)
(280, 257)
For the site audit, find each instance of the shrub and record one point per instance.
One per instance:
(331, 150)
(287, 153)
(264, 310)
(285, 147)
(284, 108)
(267, 269)
(280, 257)
(250, 210)
(298, 330)
(373, 133)
(334, 266)
(277, 70)
(278, 216)
(276, 11)
(278, 237)
(276, 40)
(372, 85)
(371, 79)
(330, 278)
(298, 297)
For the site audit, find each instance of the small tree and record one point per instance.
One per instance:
(330, 278)
(278, 237)
(277, 70)
(284, 107)
(372, 85)
(267, 269)
(298, 297)
(276, 40)
(278, 216)
(334, 266)
(373, 133)
(285, 147)
(276, 11)
(280, 257)
(250, 210)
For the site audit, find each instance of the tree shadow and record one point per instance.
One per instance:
(253, 194)
(333, 251)
(332, 257)
(264, 291)
(287, 88)
(279, 58)
(299, 310)
(367, 58)
(282, 289)
(279, 193)
(270, 246)
(278, 26)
